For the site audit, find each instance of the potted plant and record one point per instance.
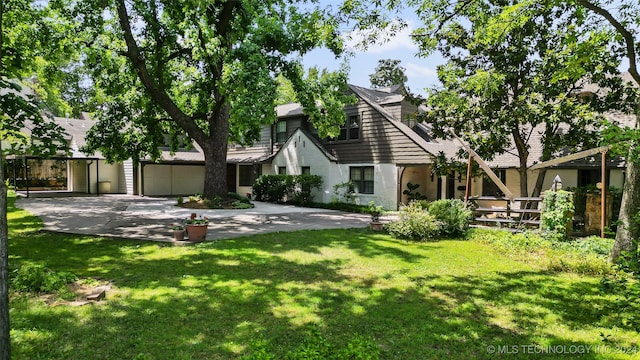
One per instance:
(197, 228)
(375, 211)
(178, 232)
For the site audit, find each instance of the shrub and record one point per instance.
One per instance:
(304, 185)
(412, 193)
(354, 208)
(273, 188)
(277, 188)
(344, 192)
(240, 198)
(241, 205)
(557, 212)
(215, 203)
(414, 224)
(452, 216)
(180, 200)
(37, 278)
(586, 256)
(593, 245)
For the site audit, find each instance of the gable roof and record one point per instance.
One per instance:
(448, 147)
(314, 140)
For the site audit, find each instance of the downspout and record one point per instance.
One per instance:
(97, 177)
(142, 178)
(89, 177)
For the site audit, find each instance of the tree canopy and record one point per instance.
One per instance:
(204, 71)
(24, 27)
(387, 73)
(504, 93)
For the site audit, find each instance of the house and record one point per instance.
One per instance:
(380, 149)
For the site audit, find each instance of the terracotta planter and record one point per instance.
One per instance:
(197, 233)
(376, 226)
(178, 235)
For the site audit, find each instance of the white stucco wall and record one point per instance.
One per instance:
(384, 187)
(299, 151)
(421, 176)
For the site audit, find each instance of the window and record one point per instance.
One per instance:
(281, 131)
(409, 120)
(248, 174)
(306, 170)
(491, 189)
(282, 170)
(351, 128)
(588, 177)
(362, 179)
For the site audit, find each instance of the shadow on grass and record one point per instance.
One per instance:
(267, 293)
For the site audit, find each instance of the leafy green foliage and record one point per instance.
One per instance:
(273, 188)
(549, 253)
(368, 295)
(375, 211)
(344, 192)
(557, 212)
(412, 193)
(174, 73)
(624, 310)
(278, 188)
(387, 73)
(452, 216)
(414, 224)
(342, 206)
(305, 185)
(38, 279)
(507, 80)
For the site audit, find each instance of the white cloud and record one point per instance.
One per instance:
(415, 70)
(392, 39)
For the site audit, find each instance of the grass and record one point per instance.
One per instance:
(348, 294)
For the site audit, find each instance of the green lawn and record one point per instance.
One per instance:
(305, 295)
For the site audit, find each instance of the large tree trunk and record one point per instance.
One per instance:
(537, 189)
(5, 341)
(215, 155)
(5, 329)
(628, 233)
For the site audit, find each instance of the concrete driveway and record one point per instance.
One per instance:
(150, 218)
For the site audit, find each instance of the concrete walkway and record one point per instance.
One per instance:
(150, 218)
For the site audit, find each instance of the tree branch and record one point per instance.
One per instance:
(626, 35)
(160, 96)
(178, 53)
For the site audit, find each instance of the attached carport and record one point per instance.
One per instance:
(80, 175)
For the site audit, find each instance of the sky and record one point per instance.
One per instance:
(421, 72)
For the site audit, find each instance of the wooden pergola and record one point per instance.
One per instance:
(575, 156)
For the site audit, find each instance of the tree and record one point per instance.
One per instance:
(626, 23)
(499, 91)
(388, 73)
(204, 71)
(21, 29)
(619, 20)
